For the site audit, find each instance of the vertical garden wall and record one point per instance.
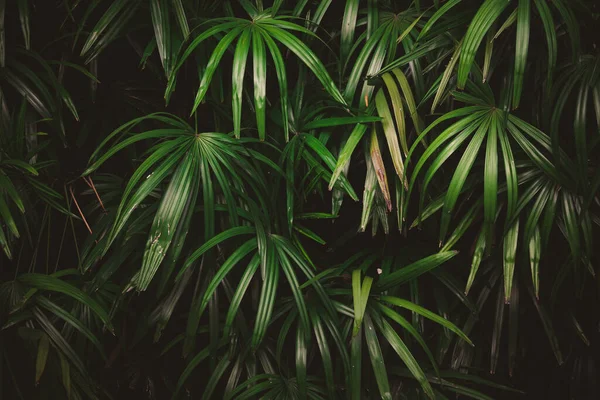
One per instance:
(349, 199)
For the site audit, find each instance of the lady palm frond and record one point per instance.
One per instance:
(390, 28)
(192, 160)
(108, 26)
(491, 10)
(263, 30)
(30, 75)
(583, 79)
(22, 178)
(44, 318)
(371, 313)
(493, 125)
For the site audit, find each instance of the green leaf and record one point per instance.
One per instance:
(510, 171)
(212, 242)
(442, 157)
(4, 244)
(549, 30)
(480, 246)
(194, 362)
(427, 314)
(487, 14)
(572, 26)
(221, 27)
(440, 12)
(26, 91)
(181, 17)
(325, 353)
(460, 175)
(510, 20)
(53, 284)
(237, 78)
(356, 365)
(301, 358)
(60, 343)
(579, 128)
(23, 6)
(462, 226)
(65, 370)
(267, 298)
(42, 357)
(7, 218)
(215, 375)
(363, 57)
(571, 224)
(338, 121)
(160, 21)
(240, 291)
(389, 130)
(521, 49)
(490, 177)
(413, 270)
(513, 327)
(446, 76)
(22, 165)
(456, 128)
(348, 28)
(308, 57)
(377, 359)
(346, 152)
(290, 275)
(409, 99)
(487, 59)
(71, 320)
(282, 80)
(213, 63)
(182, 186)
(309, 234)
(260, 82)
(453, 283)
(535, 251)
(406, 356)
(497, 332)
(369, 193)
(129, 204)
(548, 327)
(329, 160)
(107, 26)
(360, 296)
(532, 151)
(379, 168)
(410, 329)
(579, 329)
(510, 254)
(241, 252)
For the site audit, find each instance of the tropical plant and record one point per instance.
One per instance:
(180, 212)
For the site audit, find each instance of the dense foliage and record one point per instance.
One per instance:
(299, 199)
